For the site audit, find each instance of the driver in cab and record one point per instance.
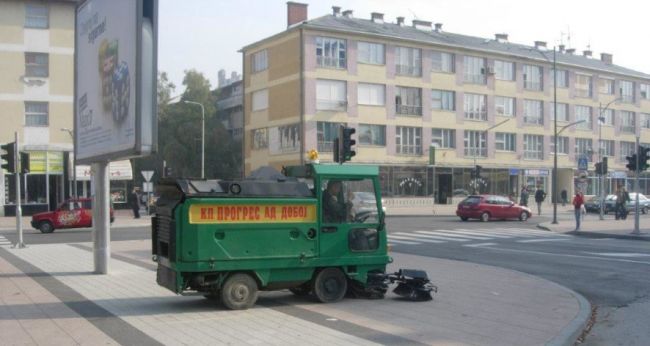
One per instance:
(334, 209)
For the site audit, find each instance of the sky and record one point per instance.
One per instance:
(206, 35)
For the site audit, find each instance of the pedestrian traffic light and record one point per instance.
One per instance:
(24, 162)
(631, 162)
(8, 157)
(599, 168)
(348, 143)
(643, 158)
(477, 171)
(604, 166)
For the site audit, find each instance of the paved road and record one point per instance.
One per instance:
(612, 274)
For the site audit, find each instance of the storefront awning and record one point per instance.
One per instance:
(117, 170)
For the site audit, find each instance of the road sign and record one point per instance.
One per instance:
(147, 187)
(147, 175)
(583, 163)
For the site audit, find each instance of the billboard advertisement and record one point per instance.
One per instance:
(111, 78)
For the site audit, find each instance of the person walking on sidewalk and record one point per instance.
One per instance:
(578, 201)
(134, 202)
(622, 197)
(540, 196)
(523, 198)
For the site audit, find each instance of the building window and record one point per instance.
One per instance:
(442, 62)
(562, 145)
(645, 120)
(408, 101)
(606, 148)
(645, 91)
(583, 113)
(330, 52)
(36, 114)
(505, 141)
(475, 106)
(562, 110)
(326, 132)
(285, 139)
(628, 124)
(475, 143)
(534, 147)
(533, 112)
(371, 94)
(583, 148)
(562, 78)
(606, 86)
(370, 53)
(627, 149)
(443, 100)
(331, 95)
(408, 140)
(36, 16)
(36, 65)
(583, 85)
(260, 61)
(504, 106)
(627, 91)
(372, 135)
(533, 77)
(260, 139)
(504, 70)
(474, 70)
(260, 100)
(443, 138)
(408, 61)
(607, 117)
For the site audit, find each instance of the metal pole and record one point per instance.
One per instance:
(555, 139)
(636, 189)
(101, 219)
(19, 211)
(601, 178)
(202, 142)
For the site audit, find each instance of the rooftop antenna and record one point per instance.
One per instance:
(413, 13)
(568, 37)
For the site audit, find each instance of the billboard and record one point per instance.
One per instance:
(115, 79)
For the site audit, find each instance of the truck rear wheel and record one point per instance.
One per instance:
(330, 285)
(239, 292)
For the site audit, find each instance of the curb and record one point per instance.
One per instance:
(598, 235)
(572, 331)
(542, 227)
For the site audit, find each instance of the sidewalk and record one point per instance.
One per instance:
(450, 210)
(592, 226)
(123, 219)
(48, 295)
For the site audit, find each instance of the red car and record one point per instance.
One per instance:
(486, 207)
(72, 213)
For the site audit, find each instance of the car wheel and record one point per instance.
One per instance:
(330, 285)
(239, 292)
(464, 218)
(46, 227)
(523, 216)
(485, 217)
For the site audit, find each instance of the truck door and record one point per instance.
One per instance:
(349, 217)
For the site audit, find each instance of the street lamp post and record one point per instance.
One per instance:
(475, 148)
(74, 164)
(202, 136)
(601, 120)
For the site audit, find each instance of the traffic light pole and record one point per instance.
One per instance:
(636, 189)
(19, 211)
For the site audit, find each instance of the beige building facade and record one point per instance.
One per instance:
(409, 88)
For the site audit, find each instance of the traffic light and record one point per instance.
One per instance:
(168, 171)
(599, 168)
(477, 171)
(631, 163)
(8, 157)
(335, 150)
(603, 166)
(643, 158)
(348, 143)
(24, 162)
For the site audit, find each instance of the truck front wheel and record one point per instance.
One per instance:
(330, 285)
(239, 292)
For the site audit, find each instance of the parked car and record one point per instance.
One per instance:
(592, 205)
(486, 207)
(644, 203)
(73, 213)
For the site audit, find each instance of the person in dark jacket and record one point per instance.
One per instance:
(540, 196)
(134, 202)
(523, 198)
(334, 209)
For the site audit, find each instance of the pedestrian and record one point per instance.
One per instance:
(540, 196)
(622, 197)
(578, 201)
(134, 202)
(563, 194)
(523, 198)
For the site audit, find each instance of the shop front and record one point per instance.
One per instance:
(120, 174)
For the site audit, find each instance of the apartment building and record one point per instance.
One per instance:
(408, 88)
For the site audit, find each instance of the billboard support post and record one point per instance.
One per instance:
(101, 219)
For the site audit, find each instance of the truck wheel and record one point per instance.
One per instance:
(330, 285)
(46, 227)
(239, 292)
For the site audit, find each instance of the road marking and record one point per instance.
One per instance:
(568, 255)
(4, 241)
(619, 254)
(480, 244)
(452, 234)
(541, 240)
(522, 231)
(391, 241)
(400, 237)
(481, 234)
(430, 236)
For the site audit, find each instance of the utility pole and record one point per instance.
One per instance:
(636, 189)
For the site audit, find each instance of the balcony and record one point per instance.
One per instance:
(331, 105)
(475, 152)
(583, 92)
(532, 85)
(534, 120)
(408, 70)
(330, 62)
(628, 129)
(627, 98)
(584, 126)
(408, 110)
(534, 155)
(474, 78)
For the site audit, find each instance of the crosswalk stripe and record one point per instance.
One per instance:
(391, 241)
(431, 236)
(452, 234)
(479, 244)
(526, 232)
(399, 237)
(540, 240)
(481, 234)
